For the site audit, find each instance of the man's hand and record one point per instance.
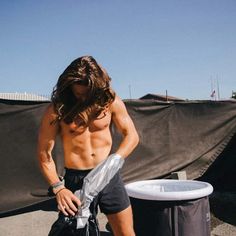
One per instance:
(68, 203)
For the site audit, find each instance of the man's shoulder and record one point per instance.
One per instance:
(50, 111)
(117, 104)
(50, 108)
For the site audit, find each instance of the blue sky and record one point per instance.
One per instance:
(148, 46)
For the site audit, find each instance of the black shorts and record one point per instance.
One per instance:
(112, 199)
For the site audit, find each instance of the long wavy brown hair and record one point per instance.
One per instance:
(87, 72)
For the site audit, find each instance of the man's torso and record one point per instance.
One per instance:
(86, 146)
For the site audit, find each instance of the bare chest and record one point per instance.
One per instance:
(100, 123)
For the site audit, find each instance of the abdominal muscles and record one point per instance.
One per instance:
(85, 150)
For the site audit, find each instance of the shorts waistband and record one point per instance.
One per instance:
(77, 171)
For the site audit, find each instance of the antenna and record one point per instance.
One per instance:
(213, 89)
(130, 97)
(218, 87)
(212, 95)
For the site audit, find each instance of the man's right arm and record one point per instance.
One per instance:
(46, 140)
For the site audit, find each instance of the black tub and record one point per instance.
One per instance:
(170, 207)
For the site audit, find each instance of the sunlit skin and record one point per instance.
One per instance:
(84, 148)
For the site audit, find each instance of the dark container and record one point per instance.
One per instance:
(169, 208)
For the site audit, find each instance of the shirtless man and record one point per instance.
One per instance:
(82, 109)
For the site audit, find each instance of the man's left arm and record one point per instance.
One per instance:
(125, 125)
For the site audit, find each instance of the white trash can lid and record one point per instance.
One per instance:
(168, 190)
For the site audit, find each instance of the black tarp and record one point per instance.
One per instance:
(176, 136)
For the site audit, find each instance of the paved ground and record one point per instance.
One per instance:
(223, 214)
(39, 221)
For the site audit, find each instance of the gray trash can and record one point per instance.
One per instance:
(170, 207)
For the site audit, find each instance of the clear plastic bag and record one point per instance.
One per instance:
(95, 182)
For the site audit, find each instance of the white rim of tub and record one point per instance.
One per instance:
(168, 190)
